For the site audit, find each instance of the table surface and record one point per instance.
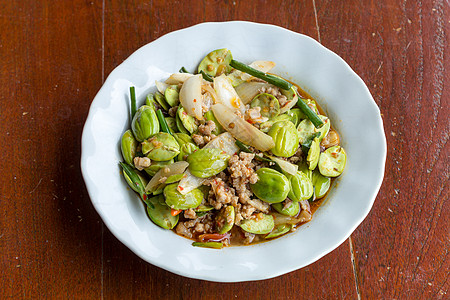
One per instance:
(55, 56)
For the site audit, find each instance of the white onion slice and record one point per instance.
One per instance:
(289, 104)
(166, 171)
(285, 165)
(248, 90)
(191, 96)
(241, 129)
(161, 86)
(226, 94)
(177, 78)
(260, 65)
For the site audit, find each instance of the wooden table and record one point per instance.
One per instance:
(54, 56)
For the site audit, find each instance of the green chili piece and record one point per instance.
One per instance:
(215, 245)
(183, 70)
(206, 76)
(133, 101)
(277, 81)
(162, 122)
(310, 114)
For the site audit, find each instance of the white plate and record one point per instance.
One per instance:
(320, 72)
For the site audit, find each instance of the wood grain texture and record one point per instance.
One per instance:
(401, 249)
(50, 235)
(55, 55)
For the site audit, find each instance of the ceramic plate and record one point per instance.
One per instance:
(344, 97)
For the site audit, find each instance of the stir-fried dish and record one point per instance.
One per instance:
(231, 155)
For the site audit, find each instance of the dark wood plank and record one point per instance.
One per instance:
(400, 50)
(128, 276)
(50, 235)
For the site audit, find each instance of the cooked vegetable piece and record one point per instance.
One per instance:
(285, 166)
(134, 180)
(225, 219)
(183, 70)
(330, 140)
(325, 128)
(166, 171)
(156, 166)
(128, 146)
(303, 167)
(187, 121)
(136, 183)
(172, 95)
(214, 245)
(265, 127)
(216, 62)
(207, 162)
(272, 186)
(285, 138)
(332, 161)
(191, 96)
(145, 123)
(171, 123)
(182, 138)
(306, 129)
(206, 76)
(174, 178)
(150, 101)
(201, 207)
(321, 184)
(313, 154)
(237, 77)
(310, 114)
(243, 147)
(270, 107)
(161, 86)
(133, 101)
(291, 210)
(307, 145)
(260, 65)
(178, 78)
(248, 90)
(227, 95)
(180, 125)
(209, 116)
(225, 142)
(300, 187)
(186, 150)
(176, 200)
(279, 230)
(161, 147)
(162, 122)
(160, 213)
(161, 101)
(258, 225)
(292, 99)
(295, 115)
(312, 104)
(283, 219)
(241, 129)
(275, 80)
